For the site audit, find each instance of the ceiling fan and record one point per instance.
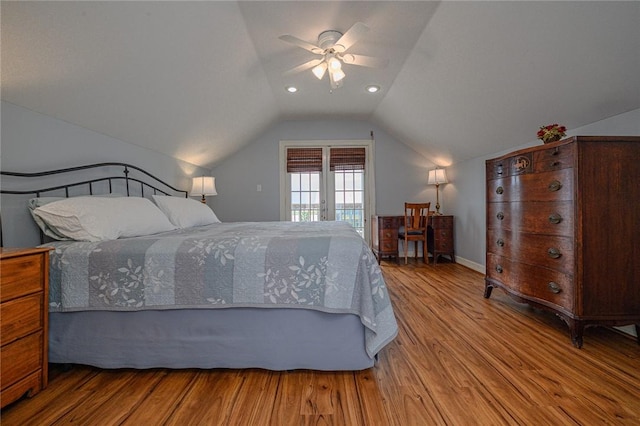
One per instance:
(332, 46)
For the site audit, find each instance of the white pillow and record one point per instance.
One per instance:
(185, 212)
(98, 218)
(34, 203)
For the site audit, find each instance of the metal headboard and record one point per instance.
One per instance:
(155, 186)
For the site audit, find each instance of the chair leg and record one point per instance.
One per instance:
(406, 250)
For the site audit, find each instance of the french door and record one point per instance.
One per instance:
(327, 181)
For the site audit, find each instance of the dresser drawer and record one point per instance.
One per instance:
(553, 252)
(546, 186)
(550, 218)
(21, 275)
(25, 315)
(21, 358)
(532, 282)
(497, 168)
(559, 157)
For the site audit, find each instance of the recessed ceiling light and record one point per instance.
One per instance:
(372, 88)
(291, 89)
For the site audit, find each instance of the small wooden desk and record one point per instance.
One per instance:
(384, 236)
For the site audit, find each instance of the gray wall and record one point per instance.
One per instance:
(32, 142)
(401, 173)
(465, 194)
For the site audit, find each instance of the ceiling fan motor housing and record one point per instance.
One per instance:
(327, 39)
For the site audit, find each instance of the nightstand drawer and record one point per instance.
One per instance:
(24, 325)
(21, 275)
(389, 245)
(25, 317)
(389, 223)
(388, 234)
(21, 358)
(442, 222)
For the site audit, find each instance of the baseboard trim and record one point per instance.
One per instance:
(471, 265)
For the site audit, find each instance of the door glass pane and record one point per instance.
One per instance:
(305, 197)
(349, 198)
(295, 182)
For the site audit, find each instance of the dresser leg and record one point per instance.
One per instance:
(577, 329)
(487, 290)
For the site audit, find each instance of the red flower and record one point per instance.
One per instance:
(551, 132)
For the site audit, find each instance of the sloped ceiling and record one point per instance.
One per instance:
(200, 80)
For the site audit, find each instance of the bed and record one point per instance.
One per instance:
(272, 295)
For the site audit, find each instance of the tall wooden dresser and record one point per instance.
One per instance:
(563, 229)
(24, 292)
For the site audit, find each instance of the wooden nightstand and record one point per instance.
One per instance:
(440, 238)
(24, 293)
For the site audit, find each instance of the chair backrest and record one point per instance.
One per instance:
(415, 216)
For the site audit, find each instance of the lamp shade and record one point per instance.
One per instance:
(203, 185)
(437, 176)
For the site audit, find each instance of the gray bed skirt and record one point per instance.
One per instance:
(273, 339)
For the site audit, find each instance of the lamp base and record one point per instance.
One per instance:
(203, 200)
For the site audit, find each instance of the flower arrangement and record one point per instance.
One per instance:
(551, 133)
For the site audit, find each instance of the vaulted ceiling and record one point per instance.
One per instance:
(200, 80)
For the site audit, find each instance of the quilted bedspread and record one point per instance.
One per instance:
(324, 266)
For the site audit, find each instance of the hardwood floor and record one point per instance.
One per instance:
(459, 359)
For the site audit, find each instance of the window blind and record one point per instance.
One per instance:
(300, 160)
(347, 159)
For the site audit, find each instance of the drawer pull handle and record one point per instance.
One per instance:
(387, 234)
(555, 186)
(555, 218)
(500, 215)
(499, 269)
(554, 287)
(500, 242)
(554, 253)
(555, 164)
(499, 190)
(556, 151)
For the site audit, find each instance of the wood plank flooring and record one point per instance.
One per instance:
(459, 359)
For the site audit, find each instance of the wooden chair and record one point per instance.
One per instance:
(415, 228)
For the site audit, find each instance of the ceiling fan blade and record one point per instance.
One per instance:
(352, 35)
(301, 43)
(364, 61)
(303, 67)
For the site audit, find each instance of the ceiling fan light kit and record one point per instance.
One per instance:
(332, 46)
(319, 70)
